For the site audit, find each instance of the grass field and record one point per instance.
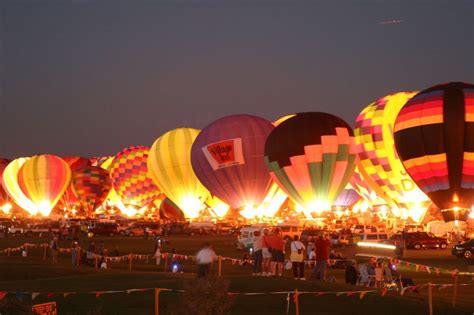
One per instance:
(32, 274)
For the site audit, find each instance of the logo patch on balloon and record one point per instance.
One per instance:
(224, 153)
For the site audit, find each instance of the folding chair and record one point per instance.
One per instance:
(364, 277)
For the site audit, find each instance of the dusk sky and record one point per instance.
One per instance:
(92, 77)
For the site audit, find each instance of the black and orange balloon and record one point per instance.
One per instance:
(434, 138)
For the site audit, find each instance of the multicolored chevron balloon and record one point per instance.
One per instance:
(434, 137)
(92, 185)
(378, 161)
(130, 178)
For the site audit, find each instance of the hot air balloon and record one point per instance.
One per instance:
(69, 199)
(311, 157)
(130, 178)
(359, 184)
(169, 163)
(43, 180)
(170, 211)
(92, 185)
(378, 161)
(434, 137)
(227, 157)
(13, 189)
(347, 197)
(5, 205)
(217, 207)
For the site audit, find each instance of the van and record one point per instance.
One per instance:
(247, 236)
(289, 231)
(374, 237)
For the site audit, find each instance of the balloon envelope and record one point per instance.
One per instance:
(92, 185)
(169, 210)
(434, 137)
(43, 179)
(130, 178)
(378, 161)
(169, 163)
(227, 157)
(13, 189)
(311, 157)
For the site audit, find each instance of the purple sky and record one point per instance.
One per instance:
(91, 77)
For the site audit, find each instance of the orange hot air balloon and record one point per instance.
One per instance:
(43, 179)
(69, 199)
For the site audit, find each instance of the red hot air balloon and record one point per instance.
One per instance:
(169, 210)
(69, 198)
(92, 185)
(227, 157)
(434, 138)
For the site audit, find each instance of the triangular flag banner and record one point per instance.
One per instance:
(98, 294)
(428, 269)
(66, 295)
(340, 293)
(320, 293)
(34, 295)
(50, 295)
(384, 291)
(3, 294)
(19, 296)
(350, 293)
(362, 294)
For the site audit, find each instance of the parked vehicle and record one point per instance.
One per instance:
(40, 230)
(247, 236)
(104, 228)
(202, 228)
(465, 249)
(340, 240)
(289, 231)
(419, 240)
(374, 237)
(309, 234)
(140, 228)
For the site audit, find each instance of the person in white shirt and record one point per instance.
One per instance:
(204, 258)
(297, 258)
(157, 254)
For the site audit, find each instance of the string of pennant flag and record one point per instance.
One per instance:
(234, 261)
(97, 294)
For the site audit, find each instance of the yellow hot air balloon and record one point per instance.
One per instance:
(218, 207)
(44, 179)
(378, 161)
(13, 189)
(169, 164)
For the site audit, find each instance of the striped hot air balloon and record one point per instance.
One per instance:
(311, 157)
(434, 137)
(3, 194)
(130, 177)
(92, 185)
(13, 189)
(169, 163)
(378, 161)
(347, 197)
(43, 180)
(69, 199)
(227, 157)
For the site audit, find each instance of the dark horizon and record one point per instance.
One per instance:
(92, 77)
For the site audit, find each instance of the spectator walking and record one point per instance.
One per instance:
(257, 254)
(297, 258)
(205, 257)
(322, 245)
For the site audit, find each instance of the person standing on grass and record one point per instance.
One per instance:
(322, 246)
(54, 250)
(297, 258)
(276, 244)
(266, 255)
(74, 252)
(257, 254)
(205, 257)
(157, 254)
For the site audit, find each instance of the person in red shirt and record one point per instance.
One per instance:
(276, 245)
(322, 245)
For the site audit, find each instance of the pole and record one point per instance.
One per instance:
(157, 301)
(78, 258)
(219, 266)
(44, 251)
(455, 289)
(96, 262)
(297, 303)
(430, 298)
(129, 262)
(166, 263)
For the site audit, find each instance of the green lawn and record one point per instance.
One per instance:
(32, 274)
